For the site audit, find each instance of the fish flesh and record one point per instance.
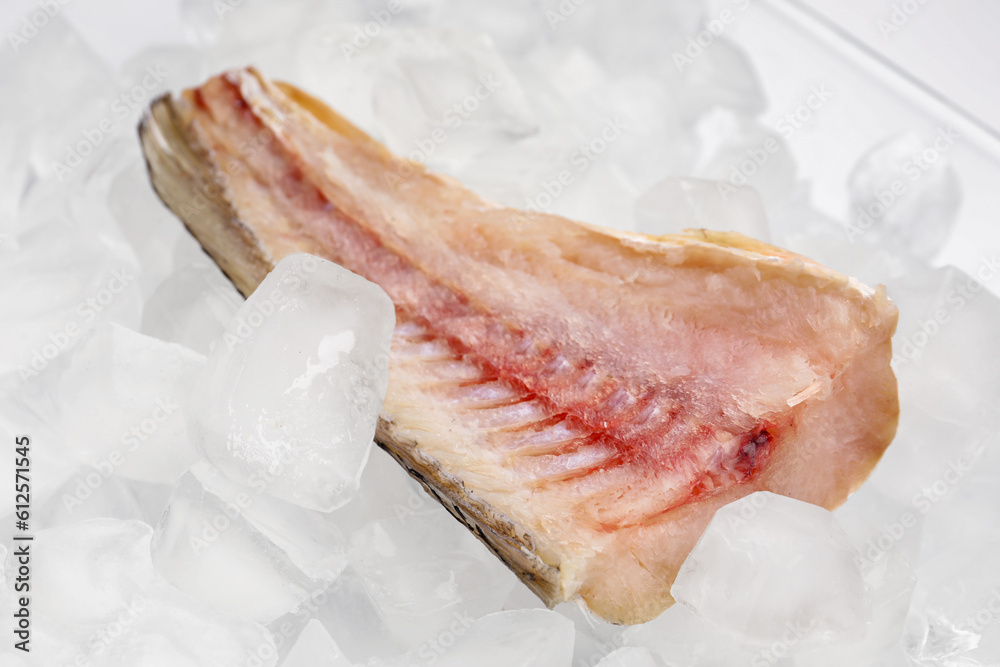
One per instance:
(582, 399)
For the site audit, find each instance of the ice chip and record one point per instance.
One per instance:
(683, 639)
(215, 537)
(948, 387)
(291, 396)
(739, 151)
(890, 581)
(353, 618)
(905, 193)
(85, 574)
(88, 494)
(116, 401)
(65, 91)
(192, 306)
(146, 223)
(767, 565)
(165, 627)
(427, 574)
(722, 76)
(955, 614)
(442, 99)
(48, 304)
(315, 647)
(387, 491)
(630, 656)
(527, 638)
(676, 204)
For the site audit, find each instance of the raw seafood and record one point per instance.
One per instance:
(582, 399)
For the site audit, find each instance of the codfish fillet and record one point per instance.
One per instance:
(582, 399)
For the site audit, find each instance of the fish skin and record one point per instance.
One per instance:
(582, 399)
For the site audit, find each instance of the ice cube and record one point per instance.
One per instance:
(88, 494)
(513, 25)
(683, 639)
(630, 656)
(528, 638)
(643, 42)
(879, 524)
(216, 536)
(61, 118)
(613, 208)
(166, 627)
(768, 566)
(740, 152)
(292, 395)
(594, 637)
(955, 615)
(192, 307)
(387, 492)
(904, 192)
(315, 647)
(890, 582)
(427, 574)
(722, 76)
(950, 390)
(353, 619)
(676, 204)
(151, 498)
(83, 575)
(442, 99)
(48, 304)
(15, 174)
(966, 518)
(116, 401)
(150, 228)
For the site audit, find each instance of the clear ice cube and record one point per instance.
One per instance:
(905, 193)
(769, 567)
(216, 536)
(291, 396)
(426, 574)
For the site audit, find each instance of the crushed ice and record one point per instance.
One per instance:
(262, 536)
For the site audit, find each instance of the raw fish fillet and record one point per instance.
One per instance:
(582, 399)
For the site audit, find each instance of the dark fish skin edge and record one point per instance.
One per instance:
(178, 173)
